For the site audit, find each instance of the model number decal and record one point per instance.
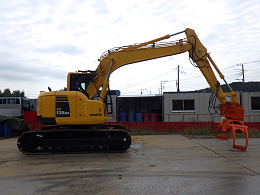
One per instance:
(62, 112)
(62, 109)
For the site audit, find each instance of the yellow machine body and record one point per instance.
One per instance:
(69, 108)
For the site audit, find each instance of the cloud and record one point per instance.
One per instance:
(40, 41)
(46, 20)
(68, 25)
(100, 7)
(16, 69)
(64, 49)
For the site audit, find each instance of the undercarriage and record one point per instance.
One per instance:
(75, 138)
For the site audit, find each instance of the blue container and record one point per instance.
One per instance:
(139, 117)
(131, 116)
(2, 129)
(5, 130)
(122, 116)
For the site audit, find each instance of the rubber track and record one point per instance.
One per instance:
(74, 140)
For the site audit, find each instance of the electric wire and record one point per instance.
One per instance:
(145, 81)
(151, 87)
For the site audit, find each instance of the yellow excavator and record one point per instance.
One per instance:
(75, 117)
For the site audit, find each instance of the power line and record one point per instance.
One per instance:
(241, 63)
(169, 72)
(251, 62)
(145, 81)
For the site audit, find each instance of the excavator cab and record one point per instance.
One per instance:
(79, 81)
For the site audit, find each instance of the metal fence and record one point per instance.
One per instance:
(174, 118)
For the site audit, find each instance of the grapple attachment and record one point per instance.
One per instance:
(234, 114)
(230, 126)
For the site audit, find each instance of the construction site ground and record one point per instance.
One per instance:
(154, 164)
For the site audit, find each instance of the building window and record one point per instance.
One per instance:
(255, 103)
(183, 105)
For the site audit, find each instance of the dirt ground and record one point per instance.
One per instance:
(154, 164)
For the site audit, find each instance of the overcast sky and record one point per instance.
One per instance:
(42, 40)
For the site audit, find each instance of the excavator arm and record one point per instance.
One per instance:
(120, 56)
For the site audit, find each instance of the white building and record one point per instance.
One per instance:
(186, 106)
(198, 103)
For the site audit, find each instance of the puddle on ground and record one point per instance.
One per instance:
(135, 146)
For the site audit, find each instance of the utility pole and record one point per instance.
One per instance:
(178, 77)
(163, 82)
(242, 72)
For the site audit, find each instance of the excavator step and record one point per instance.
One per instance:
(74, 138)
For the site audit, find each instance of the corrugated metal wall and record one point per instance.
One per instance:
(201, 101)
(247, 105)
(200, 105)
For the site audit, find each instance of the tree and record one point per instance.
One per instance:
(18, 93)
(15, 93)
(7, 93)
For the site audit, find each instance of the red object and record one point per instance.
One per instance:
(234, 114)
(31, 118)
(232, 110)
(153, 117)
(231, 126)
(147, 117)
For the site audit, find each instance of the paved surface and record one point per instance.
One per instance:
(159, 164)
